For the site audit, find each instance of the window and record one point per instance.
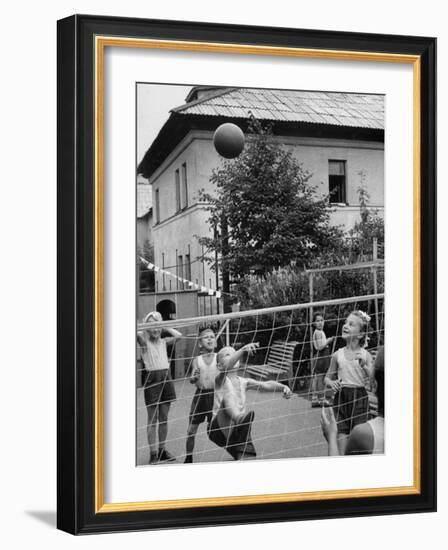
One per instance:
(188, 266)
(177, 185)
(180, 272)
(157, 206)
(337, 181)
(184, 185)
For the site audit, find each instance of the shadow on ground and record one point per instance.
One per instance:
(44, 516)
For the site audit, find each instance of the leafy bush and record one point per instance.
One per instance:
(369, 227)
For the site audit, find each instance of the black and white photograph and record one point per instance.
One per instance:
(260, 254)
(221, 221)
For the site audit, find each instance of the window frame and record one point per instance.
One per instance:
(342, 191)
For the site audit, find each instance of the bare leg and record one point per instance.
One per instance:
(342, 443)
(151, 428)
(163, 424)
(320, 386)
(191, 434)
(314, 396)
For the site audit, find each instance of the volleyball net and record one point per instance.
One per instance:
(285, 353)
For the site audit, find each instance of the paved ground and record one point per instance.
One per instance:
(283, 428)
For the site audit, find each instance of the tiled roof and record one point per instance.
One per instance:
(333, 108)
(144, 199)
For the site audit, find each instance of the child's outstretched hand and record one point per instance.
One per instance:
(328, 423)
(287, 393)
(251, 348)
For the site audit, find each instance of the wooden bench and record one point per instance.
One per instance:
(278, 364)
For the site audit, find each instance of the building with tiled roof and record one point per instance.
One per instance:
(336, 109)
(338, 137)
(144, 197)
(357, 116)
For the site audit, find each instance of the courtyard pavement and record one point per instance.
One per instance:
(283, 428)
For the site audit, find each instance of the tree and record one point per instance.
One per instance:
(369, 227)
(264, 214)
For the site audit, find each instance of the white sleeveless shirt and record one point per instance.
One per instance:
(207, 373)
(153, 353)
(349, 371)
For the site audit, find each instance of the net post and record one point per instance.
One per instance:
(311, 290)
(375, 282)
(311, 311)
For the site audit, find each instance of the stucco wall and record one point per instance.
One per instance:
(176, 237)
(360, 157)
(175, 234)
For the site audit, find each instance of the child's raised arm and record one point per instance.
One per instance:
(175, 335)
(229, 362)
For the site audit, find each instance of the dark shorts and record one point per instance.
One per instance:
(323, 359)
(239, 445)
(159, 388)
(201, 406)
(351, 406)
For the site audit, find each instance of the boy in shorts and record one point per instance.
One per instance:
(158, 388)
(204, 373)
(231, 424)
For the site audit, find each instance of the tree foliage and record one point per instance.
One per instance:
(264, 213)
(370, 226)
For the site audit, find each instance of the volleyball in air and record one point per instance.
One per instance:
(228, 140)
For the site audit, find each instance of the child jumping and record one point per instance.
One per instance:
(350, 375)
(231, 424)
(321, 345)
(158, 388)
(204, 372)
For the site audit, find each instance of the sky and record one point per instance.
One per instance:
(154, 102)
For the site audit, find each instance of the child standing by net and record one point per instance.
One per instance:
(350, 375)
(231, 424)
(367, 438)
(204, 372)
(158, 388)
(321, 345)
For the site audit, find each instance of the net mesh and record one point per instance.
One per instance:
(283, 428)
